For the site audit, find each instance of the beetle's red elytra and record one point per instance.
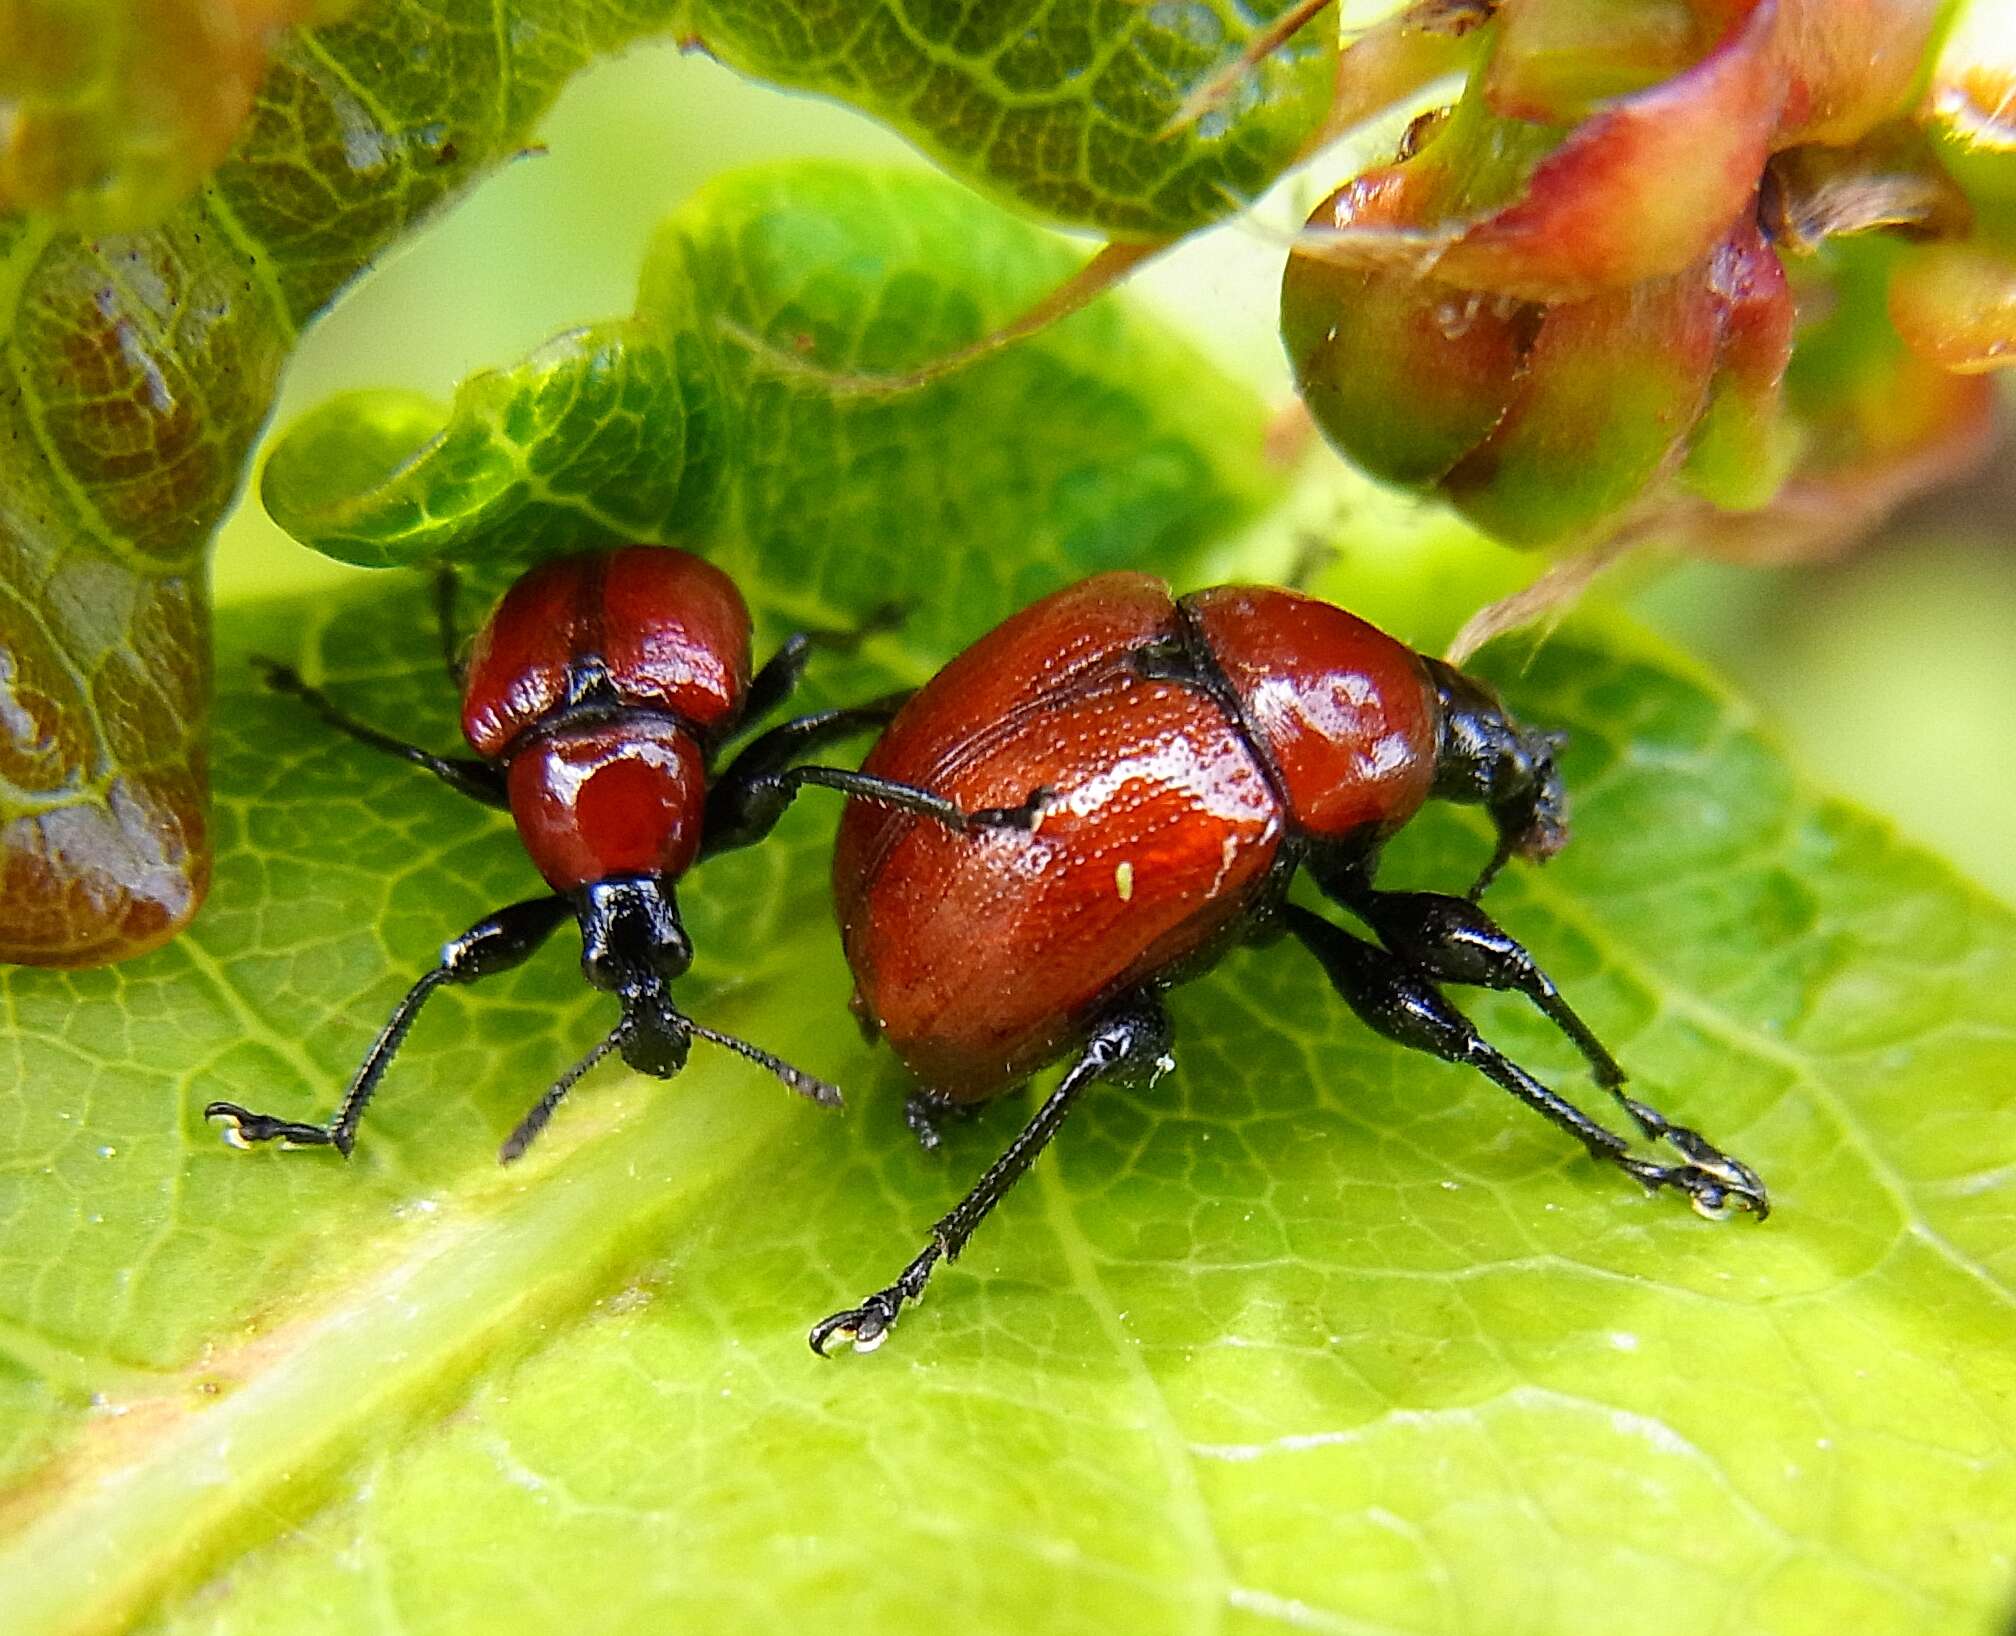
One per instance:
(1193, 755)
(1164, 818)
(597, 697)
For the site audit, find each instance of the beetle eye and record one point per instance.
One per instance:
(671, 951)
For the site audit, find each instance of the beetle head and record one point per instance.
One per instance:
(633, 945)
(1486, 757)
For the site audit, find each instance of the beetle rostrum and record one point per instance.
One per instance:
(1194, 754)
(597, 698)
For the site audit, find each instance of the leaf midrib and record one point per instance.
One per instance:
(128, 1526)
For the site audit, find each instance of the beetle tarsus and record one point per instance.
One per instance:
(248, 1127)
(1452, 940)
(1741, 1187)
(864, 1327)
(497, 942)
(1717, 1190)
(867, 1326)
(925, 1112)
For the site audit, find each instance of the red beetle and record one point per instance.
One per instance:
(1192, 755)
(595, 699)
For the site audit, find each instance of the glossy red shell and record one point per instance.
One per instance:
(608, 794)
(622, 796)
(670, 630)
(981, 956)
(1349, 716)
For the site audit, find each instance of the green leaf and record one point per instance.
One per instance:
(599, 435)
(720, 409)
(1056, 106)
(1314, 1334)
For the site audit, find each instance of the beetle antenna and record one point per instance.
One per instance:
(534, 1122)
(806, 1085)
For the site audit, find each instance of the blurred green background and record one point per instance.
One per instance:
(1892, 672)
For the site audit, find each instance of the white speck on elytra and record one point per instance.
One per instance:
(1228, 852)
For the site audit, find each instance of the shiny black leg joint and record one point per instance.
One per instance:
(1453, 940)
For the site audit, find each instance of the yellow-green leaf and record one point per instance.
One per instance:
(1313, 1335)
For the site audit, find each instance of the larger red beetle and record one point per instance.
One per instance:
(1193, 755)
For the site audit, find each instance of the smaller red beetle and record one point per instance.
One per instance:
(595, 698)
(1192, 755)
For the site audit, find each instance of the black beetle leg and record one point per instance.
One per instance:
(1133, 1039)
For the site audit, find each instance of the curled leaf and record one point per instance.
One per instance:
(689, 419)
(123, 404)
(610, 431)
